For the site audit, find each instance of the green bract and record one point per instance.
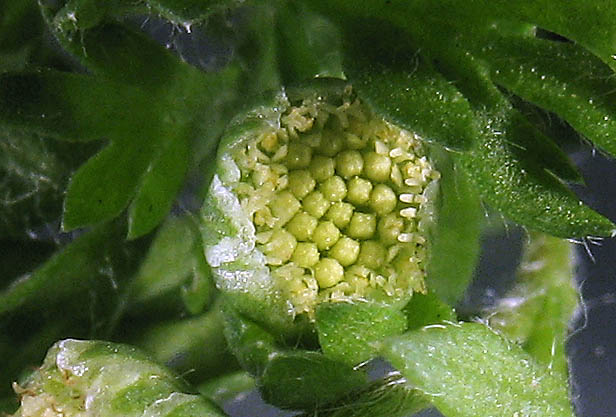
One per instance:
(315, 199)
(92, 378)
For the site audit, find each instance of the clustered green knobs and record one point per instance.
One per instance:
(338, 199)
(82, 378)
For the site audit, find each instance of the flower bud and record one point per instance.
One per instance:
(335, 215)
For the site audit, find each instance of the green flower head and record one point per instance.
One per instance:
(321, 201)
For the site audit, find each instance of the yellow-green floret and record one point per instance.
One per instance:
(338, 200)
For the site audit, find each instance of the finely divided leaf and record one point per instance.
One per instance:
(509, 180)
(514, 166)
(467, 371)
(591, 24)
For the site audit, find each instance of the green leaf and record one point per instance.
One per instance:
(536, 312)
(74, 107)
(390, 396)
(560, 77)
(287, 378)
(507, 178)
(173, 262)
(110, 49)
(426, 309)
(102, 188)
(455, 245)
(194, 347)
(309, 45)
(513, 165)
(590, 24)
(159, 187)
(467, 371)
(224, 388)
(404, 88)
(305, 379)
(349, 332)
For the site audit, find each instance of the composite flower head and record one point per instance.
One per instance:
(81, 378)
(326, 203)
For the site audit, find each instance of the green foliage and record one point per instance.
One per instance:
(350, 332)
(467, 370)
(174, 272)
(390, 396)
(108, 133)
(288, 378)
(536, 311)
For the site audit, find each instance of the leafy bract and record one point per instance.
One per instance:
(467, 370)
(536, 312)
(350, 332)
(390, 396)
(427, 309)
(305, 379)
(288, 378)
